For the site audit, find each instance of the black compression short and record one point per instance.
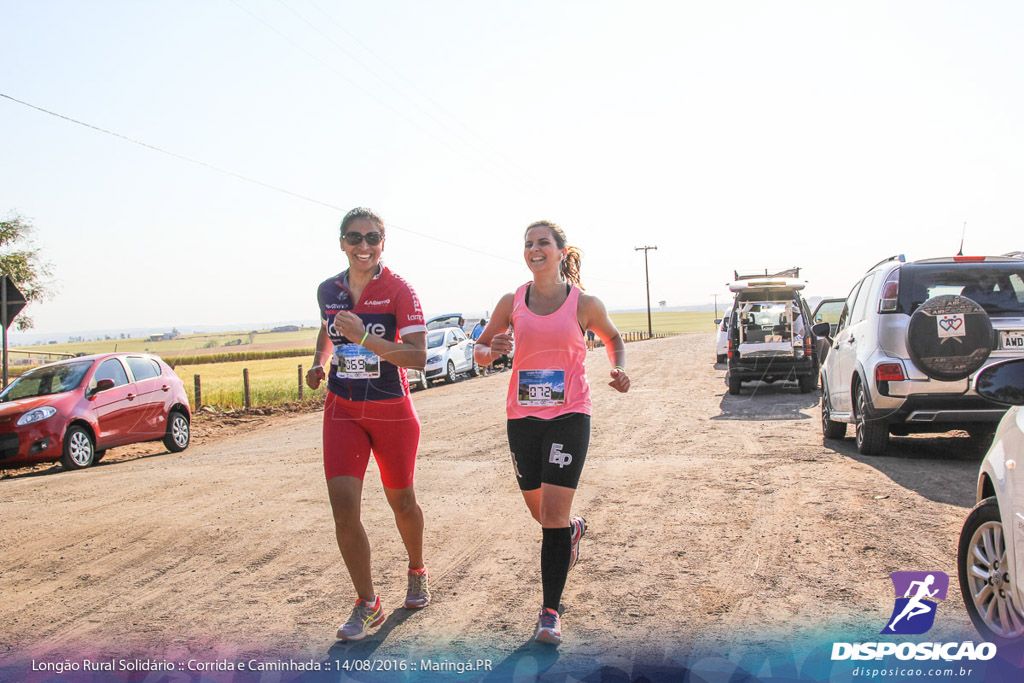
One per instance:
(549, 451)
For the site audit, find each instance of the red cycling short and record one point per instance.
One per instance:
(390, 428)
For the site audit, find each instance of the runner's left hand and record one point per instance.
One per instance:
(350, 325)
(620, 380)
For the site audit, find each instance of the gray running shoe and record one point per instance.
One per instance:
(418, 594)
(549, 627)
(578, 525)
(364, 616)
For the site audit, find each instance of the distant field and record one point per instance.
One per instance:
(271, 382)
(188, 345)
(275, 381)
(675, 322)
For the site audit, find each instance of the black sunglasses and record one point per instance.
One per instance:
(354, 238)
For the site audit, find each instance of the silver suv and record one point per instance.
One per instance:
(909, 340)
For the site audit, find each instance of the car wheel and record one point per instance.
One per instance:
(984, 576)
(450, 376)
(474, 369)
(872, 435)
(178, 432)
(79, 450)
(806, 383)
(734, 385)
(424, 384)
(98, 455)
(830, 429)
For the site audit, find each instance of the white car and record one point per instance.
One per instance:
(990, 557)
(449, 354)
(722, 342)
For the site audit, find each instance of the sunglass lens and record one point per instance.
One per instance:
(354, 238)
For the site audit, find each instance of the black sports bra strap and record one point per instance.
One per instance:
(526, 297)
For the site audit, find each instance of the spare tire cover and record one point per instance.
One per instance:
(949, 337)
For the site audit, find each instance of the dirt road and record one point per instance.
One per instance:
(713, 520)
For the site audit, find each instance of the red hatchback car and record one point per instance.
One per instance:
(74, 410)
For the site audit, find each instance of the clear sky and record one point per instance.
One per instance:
(826, 135)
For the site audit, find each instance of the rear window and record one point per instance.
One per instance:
(143, 368)
(997, 287)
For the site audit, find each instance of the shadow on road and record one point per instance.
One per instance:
(529, 662)
(761, 401)
(942, 468)
(361, 650)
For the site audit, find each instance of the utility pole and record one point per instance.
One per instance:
(647, 280)
(716, 305)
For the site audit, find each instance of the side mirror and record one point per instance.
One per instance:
(1002, 382)
(452, 343)
(822, 330)
(103, 385)
(718, 321)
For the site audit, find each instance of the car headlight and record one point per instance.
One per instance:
(433, 359)
(36, 414)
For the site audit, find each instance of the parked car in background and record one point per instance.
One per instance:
(769, 336)
(908, 341)
(417, 378)
(75, 409)
(447, 320)
(990, 557)
(449, 354)
(722, 338)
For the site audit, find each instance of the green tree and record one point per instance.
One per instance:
(20, 260)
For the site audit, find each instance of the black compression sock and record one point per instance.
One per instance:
(554, 564)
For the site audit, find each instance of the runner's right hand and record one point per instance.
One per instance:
(501, 343)
(314, 376)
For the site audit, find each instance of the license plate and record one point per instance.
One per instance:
(1011, 339)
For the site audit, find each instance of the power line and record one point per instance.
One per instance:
(260, 183)
(240, 176)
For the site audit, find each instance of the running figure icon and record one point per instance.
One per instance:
(917, 598)
(915, 606)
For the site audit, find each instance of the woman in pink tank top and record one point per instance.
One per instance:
(548, 402)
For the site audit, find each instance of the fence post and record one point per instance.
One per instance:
(245, 382)
(300, 382)
(199, 393)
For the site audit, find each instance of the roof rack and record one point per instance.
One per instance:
(896, 257)
(1014, 254)
(788, 272)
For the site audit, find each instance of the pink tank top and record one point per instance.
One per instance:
(548, 377)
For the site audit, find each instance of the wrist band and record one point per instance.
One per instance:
(619, 367)
(365, 335)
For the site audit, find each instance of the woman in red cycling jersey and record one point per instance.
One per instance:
(365, 310)
(548, 402)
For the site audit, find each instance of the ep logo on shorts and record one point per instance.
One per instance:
(558, 457)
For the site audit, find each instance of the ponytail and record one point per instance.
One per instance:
(571, 266)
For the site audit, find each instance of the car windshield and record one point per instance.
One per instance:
(46, 380)
(997, 287)
(435, 339)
